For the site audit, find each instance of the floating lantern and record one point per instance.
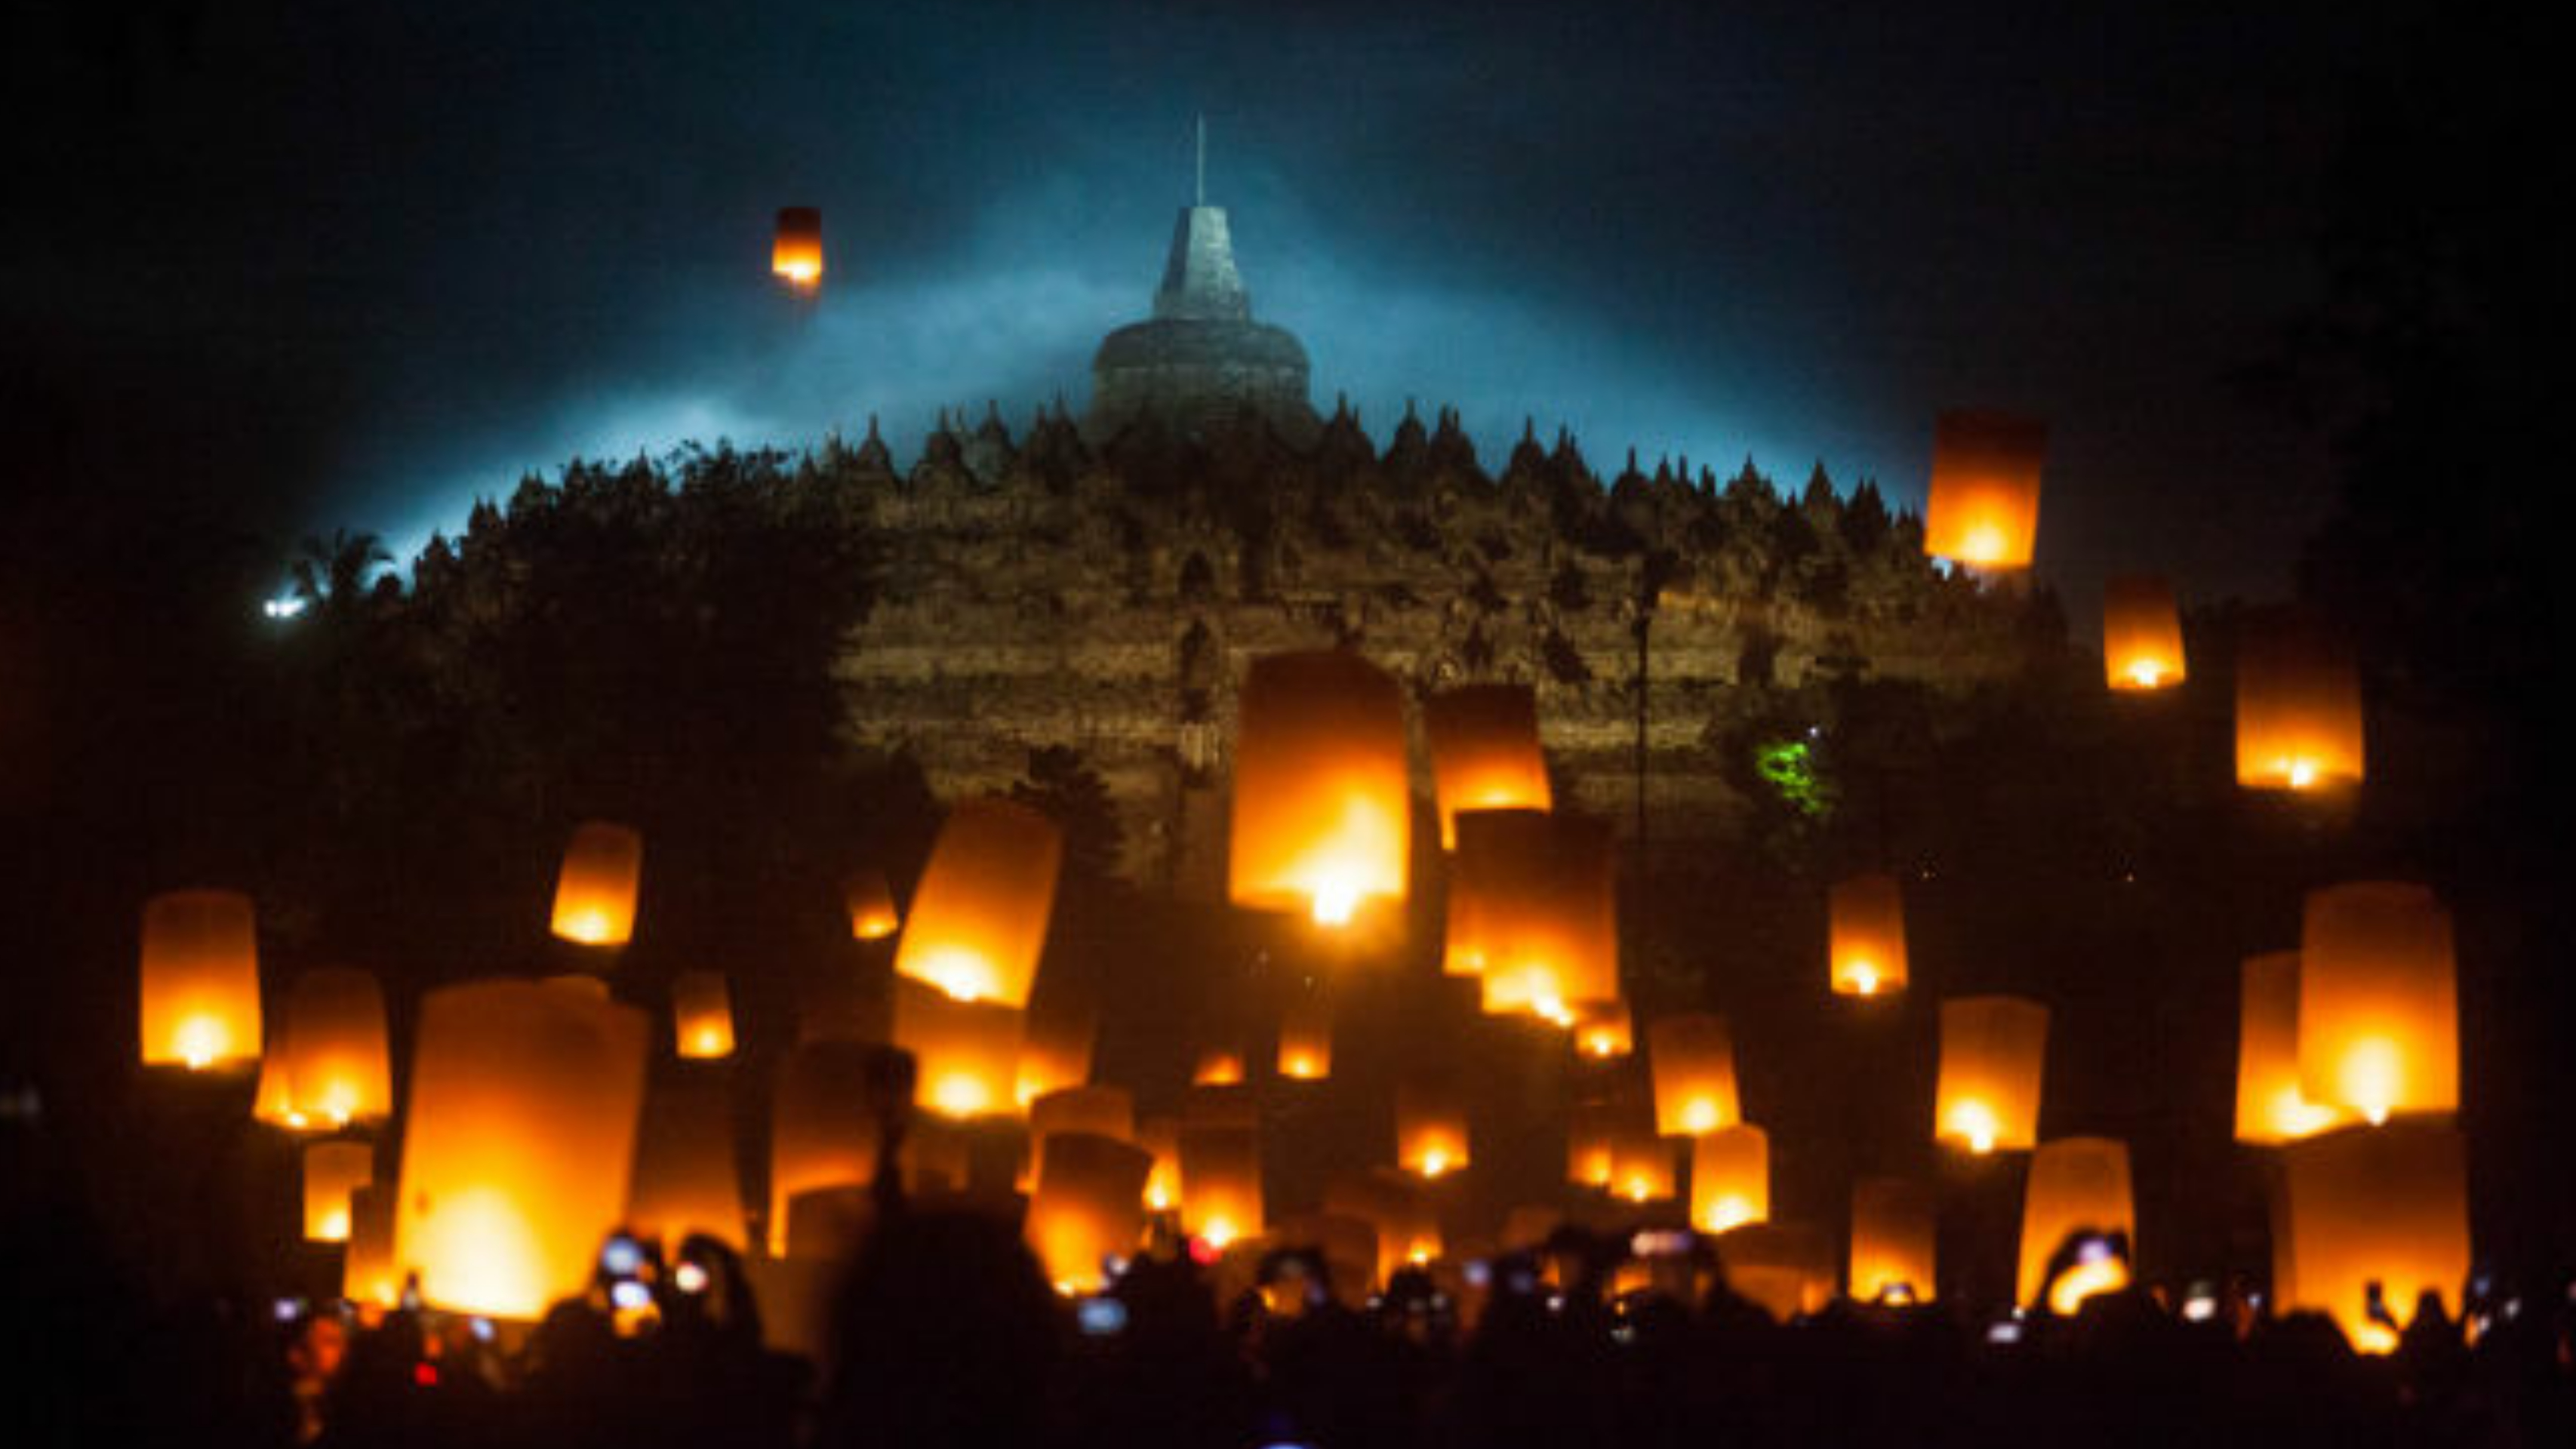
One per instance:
(2269, 1107)
(1604, 1029)
(1399, 1211)
(2298, 710)
(1894, 1230)
(332, 1171)
(826, 1123)
(1693, 1060)
(1787, 1268)
(1220, 1182)
(1430, 1129)
(702, 1015)
(1534, 911)
(1730, 1178)
(1641, 1165)
(1088, 1208)
(595, 892)
(1322, 800)
(1218, 1066)
(1161, 1136)
(979, 919)
(336, 1065)
(2076, 1184)
(272, 1102)
(367, 1270)
(2387, 1205)
(1993, 1049)
(1306, 1038)
(685, 1176)
(870, 902)
(1101, 1111)
(2141, 633)
(1866, 928)
(517, 1145)
(2379, 1014)
(796, 253)
(1592, 1130)
(1984, 504)
(200, 980)
(1061, 1030)
(968, 1051)
(1484, 752)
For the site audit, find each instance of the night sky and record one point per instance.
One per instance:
(385, 265)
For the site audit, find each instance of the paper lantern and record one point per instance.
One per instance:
(1430, 1129)
(1730, 1178)
(1060, 1032)
(2298, 710)
(2379, 1013)
(702, 1015)
(686, 1180)
(2269, 1107)
(1217, 1066)
(518, 1143)
(1866, 929)
(1161, 1136)
(272, 1102)
(2386, 1205)
(332, 1171)
(368, 1273)
(1786, 1268)
(968, 1051)
(1894, 1230)
(595, 891)
(2141, 633)
(1399, 1211)
(1101, 1111)
(1993, 1049)
(796, 252)
(1484, 752)
(200, 980)
(870, 902)
(1534, 911)
(1088, 1208)
(1306, 1038)
(2076, 1184)
(827, 1112)
(1604, 1029)
(1323, 807)
(1693, 1060)
(337, 1067)
(979, 919)
(1984, 505)
(1220, 1182)
(1641, 1165)
(1592, 1129)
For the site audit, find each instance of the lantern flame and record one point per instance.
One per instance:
(1864, 979)
(2146, 674)
(1434, 1162)
(1974, 1121)
(1337, 897)
(203, 1040)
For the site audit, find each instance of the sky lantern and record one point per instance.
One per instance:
(2141, 633)
(272, 1102)
(1306, 1038)
(1220, 1183)
(2388, 1205)
(2298, 710)
(686, 1180)
(518, 1143)
(1604, 1029)
(595, 891)
(337, 1067)
(1730, 1178)
(1101, 1111)
(870, 902)
(200, 980)
(1787, 1268)
(979, 918)
(1866, 928)
(1323, 805)
(2076, 1184)
(1535, 903)
(1993, 1050)
(1484, 752)
(702, 1015)
(1692, 1057)
(368, 1273)
(1430, 1128)
(1399, 1210)
(968, 1051)
(1089, 1207)
(332, 1171)
(1060, 1033)
(796, 252)
(2269, 1107)
(1591, 1130)
(1641, 1164)
(827, 1111)
(1894, 1230)
(1984, 506)
(2379, 1013)
(1161, 1136)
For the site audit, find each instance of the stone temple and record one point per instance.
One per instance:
(1200, 358)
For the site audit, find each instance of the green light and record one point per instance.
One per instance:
(1789, 766)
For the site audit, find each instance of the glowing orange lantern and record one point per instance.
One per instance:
(1323, 809)
(826, 1125)
(1892, 1241)
(200, 980)
(1430, 1129)
(2387, 1205)
(1604, 1029)
(2269, 1107)
(1306, 1039)
(796, 253)
(367, 1270)
(1693, 1060)
(968, 1051)
(979, 919)
(2076, 1184)
(1984, 504)
(1484, 752)
(1062, 1028)
(2298, 710)
(1592, 1130)
(870, 902)
(595, 892)
(1787, 1268)
(2141, 633)
(685, 1178)
(1535, 898)
(1866, 928)
(332, 1171)
(271, 1101)
(518, 1143)
(1221, 1183)
(1730, 1178)
(1641, 1165)
(337, 1068)
(1993, 1050)
(2379, 1013)
(1088, 1208)
(702, 1015)
(1218, 1066)
(1161, 1136)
